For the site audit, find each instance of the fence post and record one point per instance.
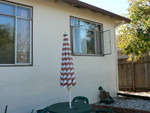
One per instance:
(133, 76)
(146, 75)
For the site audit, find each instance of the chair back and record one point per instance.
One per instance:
(81, 99)
(42, 110)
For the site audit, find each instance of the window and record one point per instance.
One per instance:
(87, 37)
(15, 34)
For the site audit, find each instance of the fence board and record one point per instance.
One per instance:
(125, 78)
(148, 74)
(140, 76)
(134, 75)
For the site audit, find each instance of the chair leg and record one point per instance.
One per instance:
(6, 109)
(32, 111)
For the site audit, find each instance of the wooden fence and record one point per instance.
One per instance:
(134, 76)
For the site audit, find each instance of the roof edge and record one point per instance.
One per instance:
(99, 10)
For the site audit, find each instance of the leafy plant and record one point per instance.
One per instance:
(134, 37)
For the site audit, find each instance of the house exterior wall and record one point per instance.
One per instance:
(33, 87)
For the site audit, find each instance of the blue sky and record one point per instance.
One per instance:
(115, 6)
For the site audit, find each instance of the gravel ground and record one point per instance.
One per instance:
(129, 103)
(146, 94)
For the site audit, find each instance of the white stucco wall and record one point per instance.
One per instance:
(24, 88)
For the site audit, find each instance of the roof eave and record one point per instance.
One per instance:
(99, 10)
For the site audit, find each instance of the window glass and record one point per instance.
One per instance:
(74, 22)
(79, 41)
(107, 42)
(88, 25)
(6, 9)
(86, 37)
(23, 12)
(90, 42)
(6, 40)
(84, 41)
(84, 24)
(23, 41)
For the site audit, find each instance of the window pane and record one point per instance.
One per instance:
(6, 9)
(106, 42)
(98, 43)
(23, 12)
(23, 41)
(88, 25)
(85, 25)
(74, 22)
(6, 40)
(90, 42)
(84, 41)
(79, 42)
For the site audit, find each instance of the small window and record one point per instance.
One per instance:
(88, 37)
(15, 34)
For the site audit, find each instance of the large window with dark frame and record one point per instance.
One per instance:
(88, 38)
(15, 34)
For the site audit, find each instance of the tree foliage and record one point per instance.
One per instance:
(6, 44)
(134, 37)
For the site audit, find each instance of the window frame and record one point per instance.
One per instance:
(103, 38)
(72, 43)
(15, 32)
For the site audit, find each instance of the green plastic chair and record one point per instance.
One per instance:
(32, 111)
(109, 110)
(42, 110)
(81, 99)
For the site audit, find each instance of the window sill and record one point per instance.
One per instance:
(13, 65)
(94, 55)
